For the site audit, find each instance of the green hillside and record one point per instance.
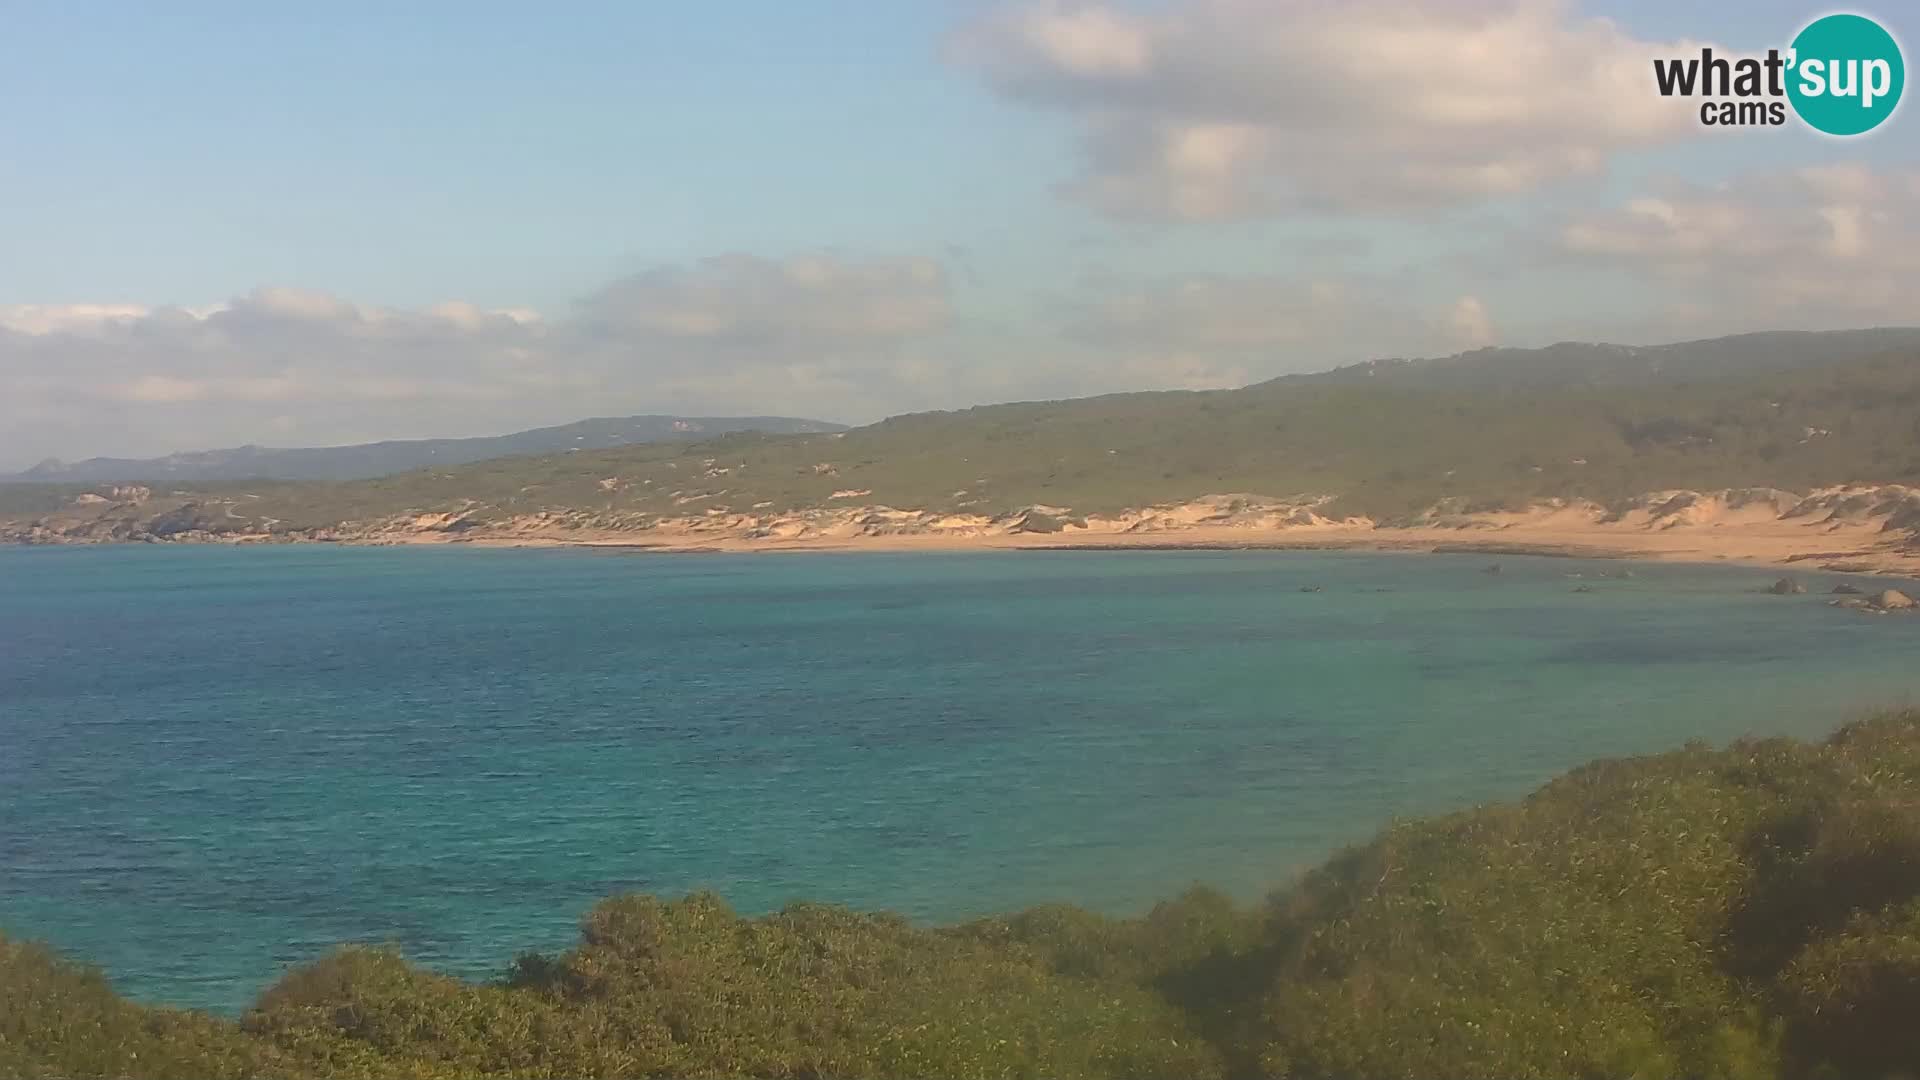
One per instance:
(1739, 913)
(1573, 363)
(256, 463)
(1387, 447)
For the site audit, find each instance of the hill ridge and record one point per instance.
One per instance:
(365, 461)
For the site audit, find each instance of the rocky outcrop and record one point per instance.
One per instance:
(1885, 602)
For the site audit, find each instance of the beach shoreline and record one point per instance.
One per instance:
(1871, 554)
(1863, 529)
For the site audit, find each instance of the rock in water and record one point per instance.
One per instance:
(1893, 600)
(1844, 589)
(1786, 587)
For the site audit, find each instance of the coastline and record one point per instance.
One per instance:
(1720, 548)
(1860, 529)
(1865, 551)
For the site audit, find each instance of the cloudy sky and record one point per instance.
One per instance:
(226, 223)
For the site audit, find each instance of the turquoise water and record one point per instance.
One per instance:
(215, 763)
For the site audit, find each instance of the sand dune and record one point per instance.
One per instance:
(1855, 527)
(1868, 528)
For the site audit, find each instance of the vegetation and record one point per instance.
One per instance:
(36, 499)
(259, 463)
(1746, 912)
(1388, 445)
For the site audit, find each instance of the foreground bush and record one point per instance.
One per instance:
(1748, 912)
(1691, 914)
(57, 1019)
(691, 989)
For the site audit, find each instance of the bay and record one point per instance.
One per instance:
(218, 762)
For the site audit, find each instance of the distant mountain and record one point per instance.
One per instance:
(369, 460)
(1577, 364)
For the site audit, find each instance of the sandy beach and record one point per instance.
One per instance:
(1849, 528)
(1838, 532)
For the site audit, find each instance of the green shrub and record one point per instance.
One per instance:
(822, 991)
(1850, 1001)
(59, 1019)
(1625, 920)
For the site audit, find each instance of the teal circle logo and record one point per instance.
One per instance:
(1845, 74)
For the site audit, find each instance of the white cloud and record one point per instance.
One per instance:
(468, 317)
(164, 389)
(270, 303)
(1090, 42)
(743, 298)
(1470, 322)
(825, 335)
(53, 318)
(1210, 109)
(302, 304)
(84, 379)
(1261, 325)
(1821, 246)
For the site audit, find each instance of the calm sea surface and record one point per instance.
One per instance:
(215, 763)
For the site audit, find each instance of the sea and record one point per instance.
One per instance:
(216, 763)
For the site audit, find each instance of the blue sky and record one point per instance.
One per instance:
(401, 156)
(1106, 196)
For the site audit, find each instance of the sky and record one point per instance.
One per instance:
(240, 223)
